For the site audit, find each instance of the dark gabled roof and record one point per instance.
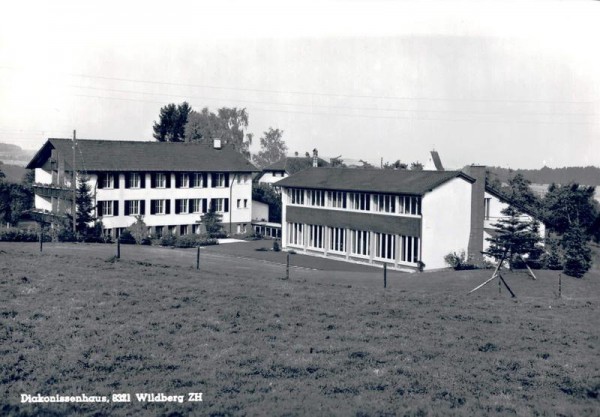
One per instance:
(293, 164)
(371, 180)
(115, 155)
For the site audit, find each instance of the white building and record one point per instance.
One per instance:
(170, 184)
(405, 219)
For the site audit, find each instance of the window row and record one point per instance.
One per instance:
(355, 242)
(163, 180)
(380, 203)
(163, 206)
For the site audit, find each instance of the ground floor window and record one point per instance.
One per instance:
(296, 234)
(410, 249)
(315, 236)
(385, 246)
(360, 242)
(337, 239)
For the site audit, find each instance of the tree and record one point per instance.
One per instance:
(337, 162)
(212, 223)
(395, 165)
(15, 201)
(139, 230)
(416, 166)
(84, 206)
(519, 193)
(265, 193)
(228, 125)
(272, 148)
(173, 119)
(578, 256)
(514, 237)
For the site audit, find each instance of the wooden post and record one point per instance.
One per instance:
(74, 188)
(507, 287)
(287, 267)
(559, 285)
(499, 284)
(41, 238)
(384, 275)
(118, 248)
(198, 258)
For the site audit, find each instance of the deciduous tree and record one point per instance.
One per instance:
(272, 148)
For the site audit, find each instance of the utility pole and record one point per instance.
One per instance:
(74, 188)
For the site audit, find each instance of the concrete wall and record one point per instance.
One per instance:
(260, 211)
(446, 222)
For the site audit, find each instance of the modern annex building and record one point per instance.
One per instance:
(169, 184)
(401, 218)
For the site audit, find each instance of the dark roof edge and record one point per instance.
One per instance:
(500, 195)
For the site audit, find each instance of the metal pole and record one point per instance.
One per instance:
(41, 238)
(384, 275)
(559, 285)
(198, 258)
(287, 267)
(118, 248)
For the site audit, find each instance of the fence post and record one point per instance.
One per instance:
(118, 248)
(287, 266)
(198, 258)
(559, 285)
(41, 238)
(384, 275)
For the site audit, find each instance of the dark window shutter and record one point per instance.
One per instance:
(178, 180)
(153, 180)
(204, 204)
(177, 206)
(100, 180)
(227, 179)
(116, 208)
(142, 207)
(142, 180)
(213, 204)
(128, 180)
(116, 180)
(127, 208)
(226, 205)
(205, 180)
(167, 206)
(168, 175)
(213, 181)
(99, 209)
(152, 206)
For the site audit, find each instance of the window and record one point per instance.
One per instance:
(297, 196)
(160, 180)
(160, 206)
(184, 180)
(197, 180)
(245, 203)
(337, 239)
(218, 180)
(316, 198)
(239, 203)
(337, 199)
(196, 228)
(385, 203)
(196, 205)
(183, 229)
(360, 243)
(296, 234)
(410, 249)
(132, 208)
(182, 206)
(385, 245)
(105, 208)
(315, 236)
(220, 204)
(360, 201)
(486, 208)
(134, 180)
(410, 205)
(107, 181)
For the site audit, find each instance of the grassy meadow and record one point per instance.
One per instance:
(328, 341)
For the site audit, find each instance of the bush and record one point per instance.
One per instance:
(168, 239)
(127, 238)
(192, 241)
(276, 247)
(458, 261)
(18, 235)
(66, 235)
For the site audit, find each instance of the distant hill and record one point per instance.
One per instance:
(14, 154)
(582, 175)
(13, 173)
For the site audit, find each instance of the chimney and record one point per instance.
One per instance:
(217, 143)
(435, 156)
(315, 158)
(477, 213)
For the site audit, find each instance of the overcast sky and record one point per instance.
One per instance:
(512, 83)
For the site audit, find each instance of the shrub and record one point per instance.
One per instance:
(192, 241)
(276, 247)
(458, 261)
(19, 235)
(65, 235)
(139, 231)
(168, 239)
(127, 238)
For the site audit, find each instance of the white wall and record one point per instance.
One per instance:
(269, 178)
(260, 211)
(446, 222)
(42, 176)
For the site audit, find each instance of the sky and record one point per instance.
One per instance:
(512, 83)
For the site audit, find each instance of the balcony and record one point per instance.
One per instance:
(53, 190)
(44, 216)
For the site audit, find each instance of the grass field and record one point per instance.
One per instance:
(328, 341)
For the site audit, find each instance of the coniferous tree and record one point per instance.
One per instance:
(212, 222)
(514, 237)
(578, 256)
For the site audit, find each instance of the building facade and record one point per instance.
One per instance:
(169, 184)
